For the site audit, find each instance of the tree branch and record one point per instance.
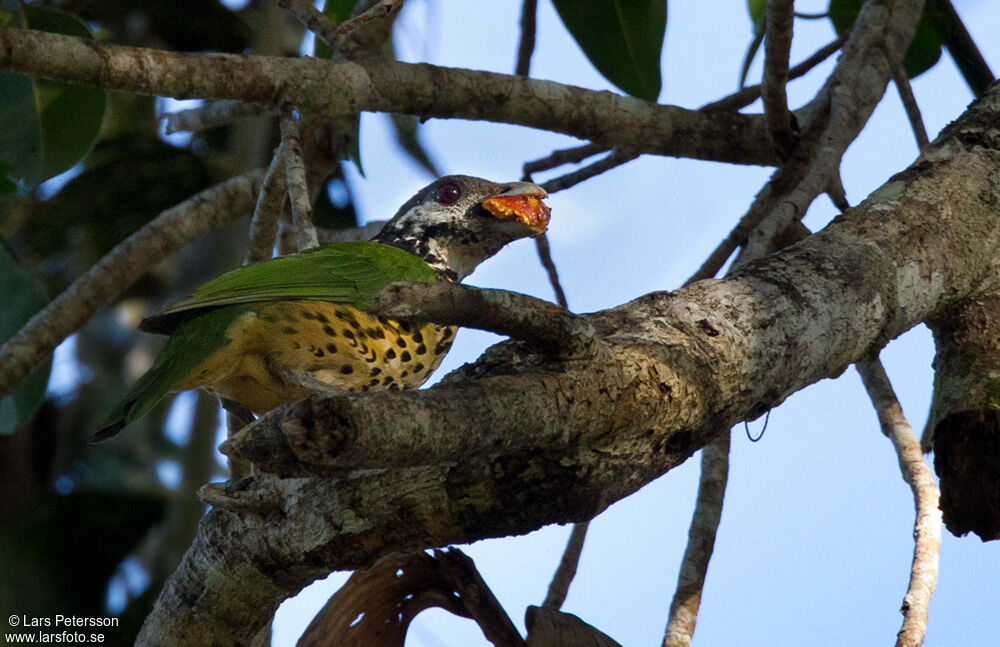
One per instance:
(777, 46)
(529, 9)
(105, 282)
(566, 571)
(568, 438)
(545, 257)
(613, 159)
(747, 95)
(212, 114)
(548, 327)
(701, 542)
(573, 155)
(267, 211)
(295, 173)
(328, 88)
(927, 526)
(910, 105)
(314, 20)
(838, 113)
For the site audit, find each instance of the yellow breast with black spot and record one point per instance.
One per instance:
(336, 344)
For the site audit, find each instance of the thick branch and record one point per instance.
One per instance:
(295, 449)
(536, 440)
(324, 87)
(551, 328)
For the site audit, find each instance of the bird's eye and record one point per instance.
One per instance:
(448, 193)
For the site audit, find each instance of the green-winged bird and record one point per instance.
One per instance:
(274, 332)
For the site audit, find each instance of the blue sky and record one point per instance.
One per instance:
(815, 542)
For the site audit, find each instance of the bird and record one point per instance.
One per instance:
(277, 331)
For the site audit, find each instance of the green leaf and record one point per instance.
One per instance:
(924, 50)
(758, 15)
(45, 126)
(622, 38)
(22, 295)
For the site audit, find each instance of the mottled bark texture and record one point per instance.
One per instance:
(521, 439)
(336, 88)
(964, 424)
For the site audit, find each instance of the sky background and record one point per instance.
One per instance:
(816, 535)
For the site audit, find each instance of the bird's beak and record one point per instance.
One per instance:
(521, 202)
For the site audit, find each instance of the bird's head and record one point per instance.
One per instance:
(459, 221)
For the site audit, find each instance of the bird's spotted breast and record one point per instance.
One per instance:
(334, 343)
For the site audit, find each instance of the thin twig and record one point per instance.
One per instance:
(270, 202)
(563, 577)
(701, 542)
(526, 47)
(295, 173)
(615, 158)
(212, 114)
(314, 20)
(777, 46)
(909, 104)
(364, 34)
(751, 93)
(545, 256)
(573, 155)
(916, 473)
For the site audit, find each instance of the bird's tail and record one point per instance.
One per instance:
(189, 345)
(142, 397)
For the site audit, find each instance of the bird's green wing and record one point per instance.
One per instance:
(193, 342)
(351, 272)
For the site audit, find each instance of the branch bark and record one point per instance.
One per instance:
(295, 177)
(927, 525)
(332, 89)
(777, 46)
(568, 438)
